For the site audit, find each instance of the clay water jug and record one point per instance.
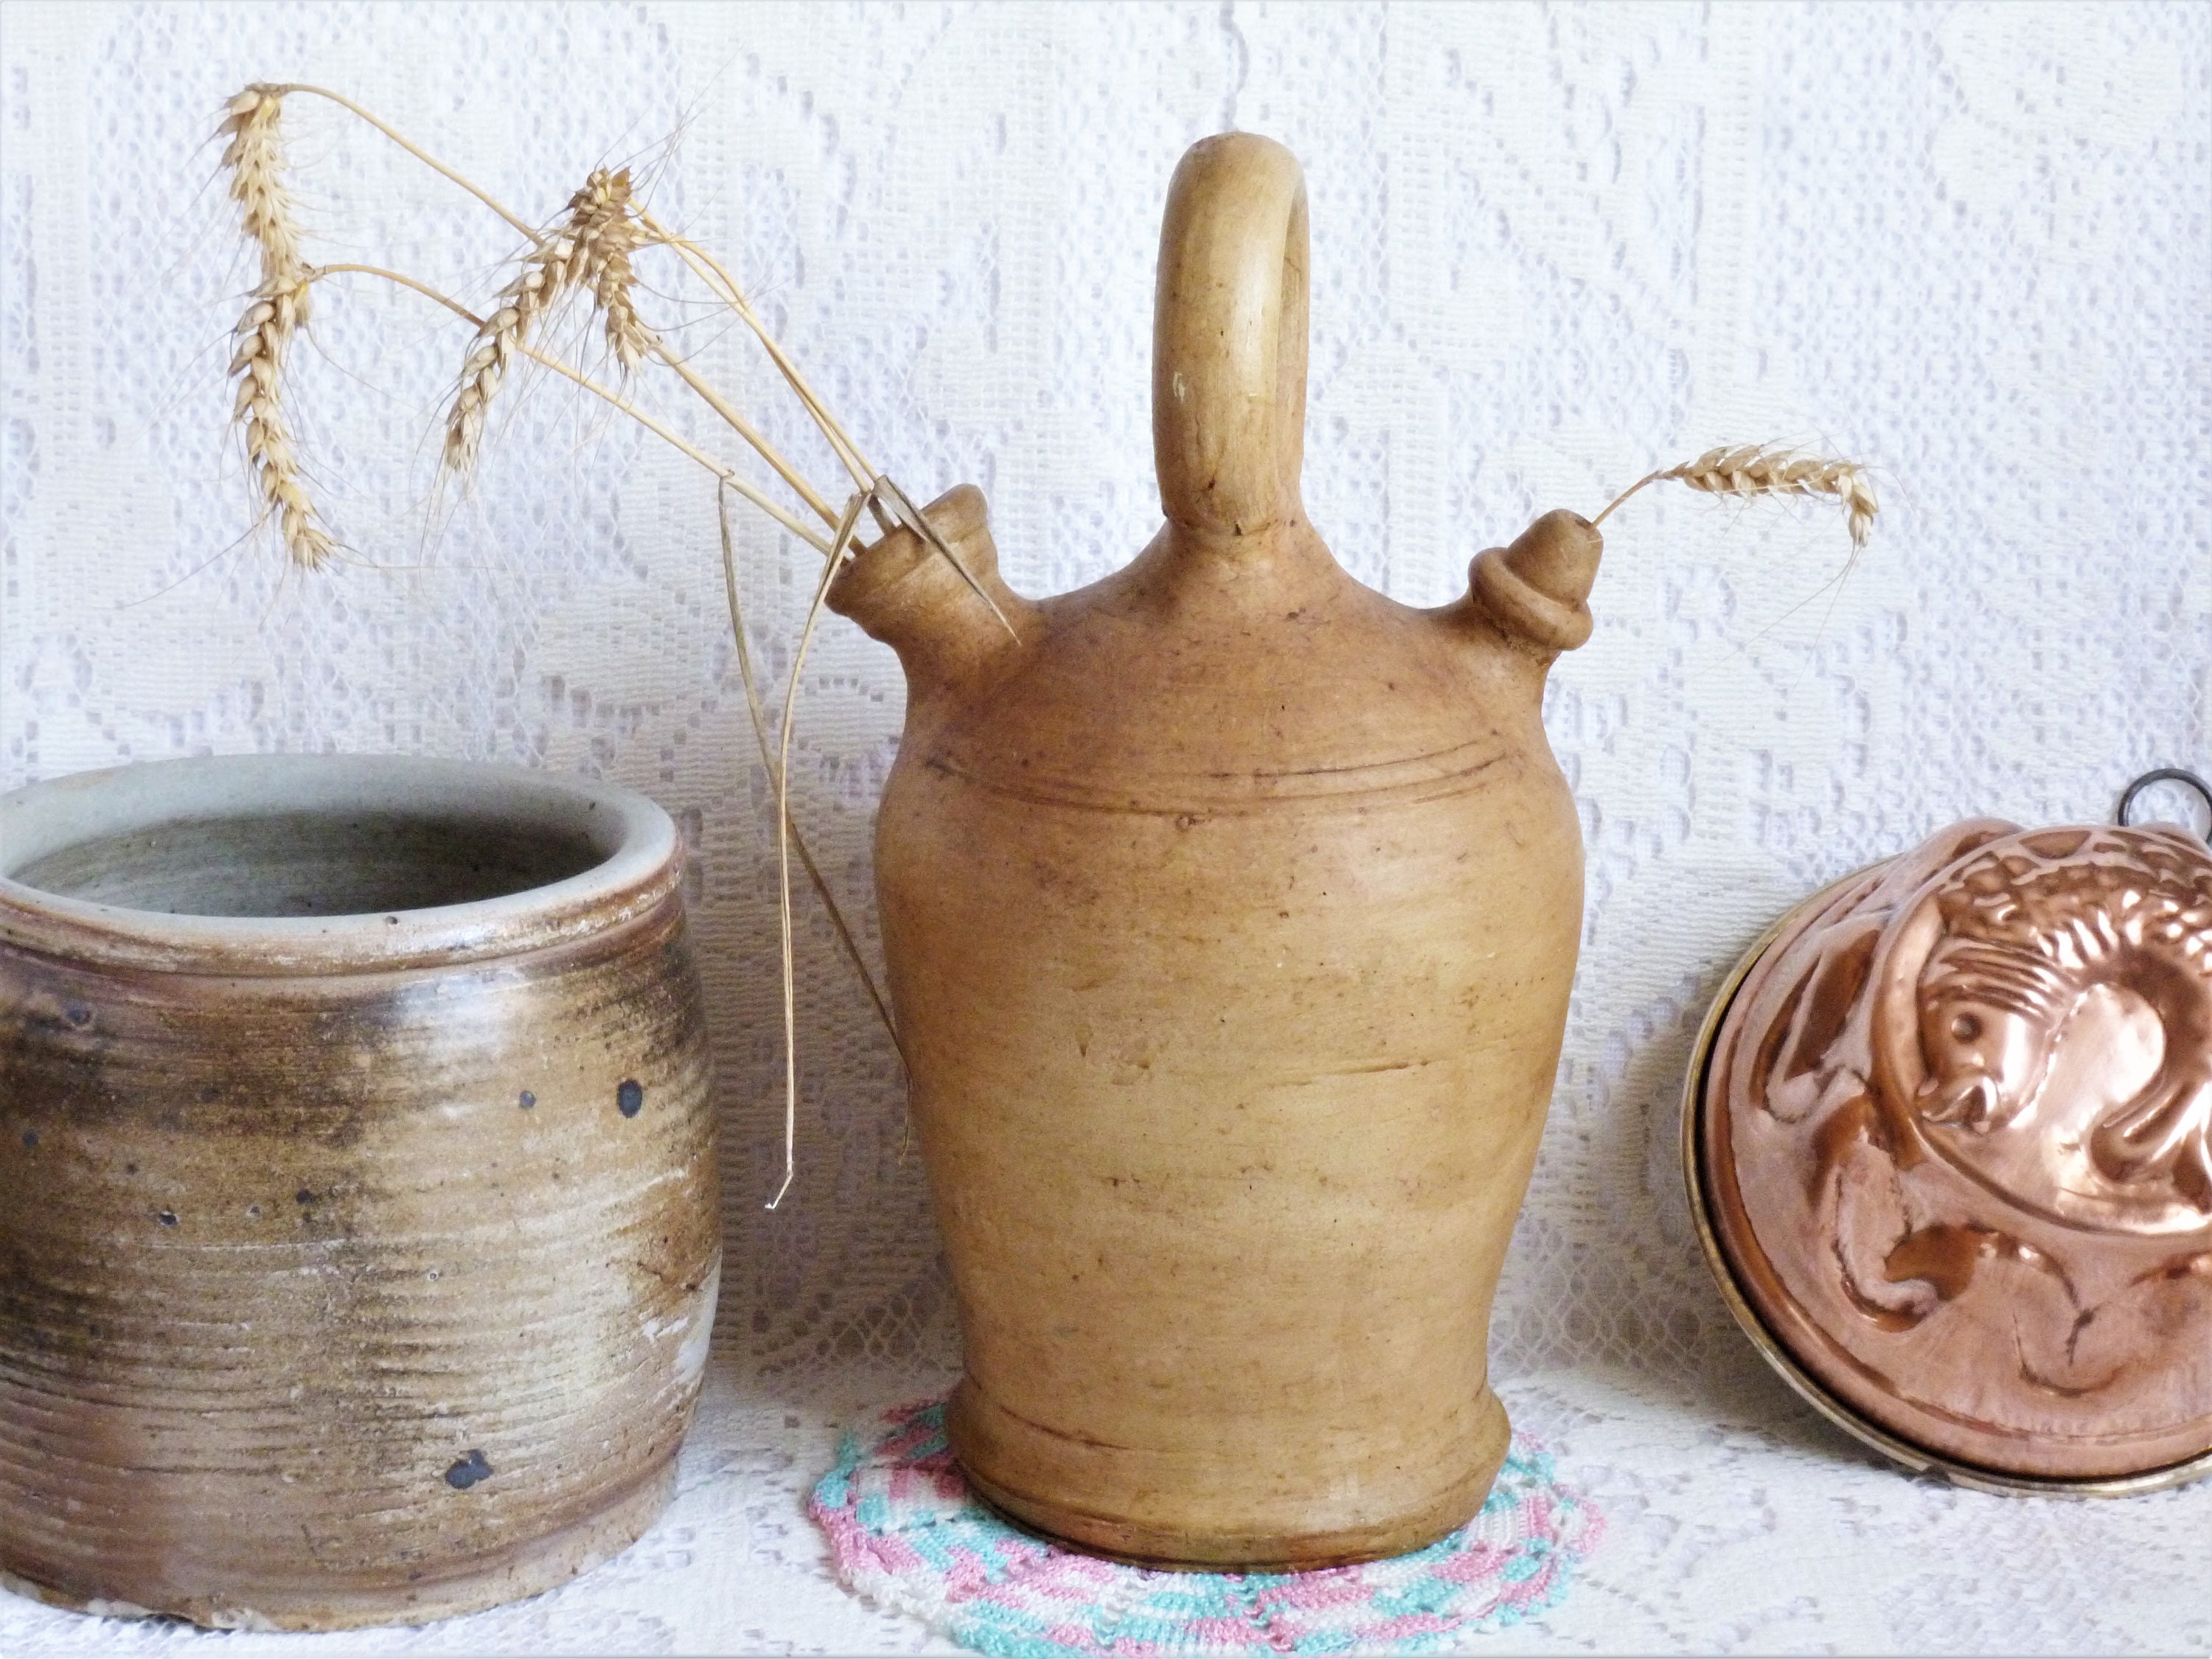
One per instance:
(1230, 911)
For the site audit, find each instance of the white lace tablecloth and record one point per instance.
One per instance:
(1554, 246)
(1736, 1521)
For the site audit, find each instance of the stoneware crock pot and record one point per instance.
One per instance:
(358, 1244)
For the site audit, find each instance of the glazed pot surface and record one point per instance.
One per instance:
(356, 1182)
(1231, 910)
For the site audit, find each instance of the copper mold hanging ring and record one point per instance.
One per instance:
(1947, 1134)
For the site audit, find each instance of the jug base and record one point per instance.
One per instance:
(989, 1443)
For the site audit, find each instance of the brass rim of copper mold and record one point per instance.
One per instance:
(1777, 1355)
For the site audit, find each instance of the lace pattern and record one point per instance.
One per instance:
(1554, 246)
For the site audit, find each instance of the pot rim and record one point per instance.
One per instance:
(639, 866)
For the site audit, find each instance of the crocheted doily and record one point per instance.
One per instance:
(907, 1533)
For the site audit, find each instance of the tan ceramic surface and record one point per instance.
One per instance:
(354, 1267)
(1231, 913)
(1954, 1148)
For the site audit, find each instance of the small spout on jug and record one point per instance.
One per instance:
(1535, 591)
(902, 592)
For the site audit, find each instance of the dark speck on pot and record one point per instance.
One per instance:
(467, 1471)
(167, 1218)
(629, 1099)
(77, 1015)
(30, 1137)
(528, 1100)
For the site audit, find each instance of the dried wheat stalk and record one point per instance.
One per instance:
(590, 250)
(1760, 470)
(274, 311)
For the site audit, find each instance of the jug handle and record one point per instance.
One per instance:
(1229, 338)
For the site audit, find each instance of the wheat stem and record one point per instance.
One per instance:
(840, 545)
(880, 494)
(798, 527)
(1649, 477)
(410, 146)
(759, 715)
(721, 406)
(717, 275)
(711, 271)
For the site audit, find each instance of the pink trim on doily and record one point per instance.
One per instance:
(906, 1531)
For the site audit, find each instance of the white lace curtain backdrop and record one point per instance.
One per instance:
(1553, 248)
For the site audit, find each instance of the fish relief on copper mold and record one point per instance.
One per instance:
(1968, 1104)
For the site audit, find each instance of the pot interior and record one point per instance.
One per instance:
(312, 863)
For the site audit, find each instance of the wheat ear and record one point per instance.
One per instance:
(274, 311)
(589, 250)
(1760, 470)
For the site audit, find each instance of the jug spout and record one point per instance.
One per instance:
(901, 590)
(1535, 591)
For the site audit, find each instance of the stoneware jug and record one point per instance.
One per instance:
(358, 1243)
(1231, 910)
